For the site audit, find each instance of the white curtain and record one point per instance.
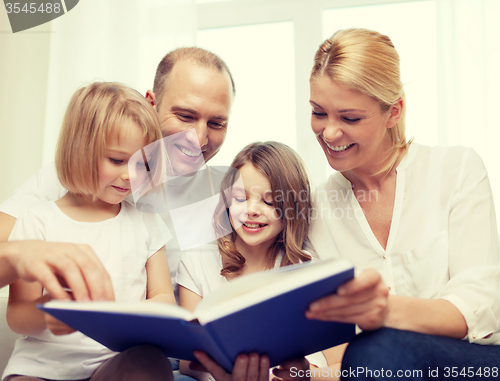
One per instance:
(123, 40)
(469, 79)
(112, 40)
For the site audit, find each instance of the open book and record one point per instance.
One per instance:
(262, 312)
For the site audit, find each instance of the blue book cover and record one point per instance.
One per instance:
(262, 312)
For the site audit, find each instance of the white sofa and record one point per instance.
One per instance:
(7, 337)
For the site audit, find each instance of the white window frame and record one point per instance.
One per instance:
(307, 18)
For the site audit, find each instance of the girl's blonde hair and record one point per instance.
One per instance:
(366, 61)
(93, 117)
(291, 197)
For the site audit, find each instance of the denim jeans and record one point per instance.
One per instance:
(391, 354)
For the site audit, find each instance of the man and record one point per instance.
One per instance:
(193, 88)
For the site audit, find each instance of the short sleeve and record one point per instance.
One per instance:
(187, 275)
(41, 187)
(157, 231)
(29, 226)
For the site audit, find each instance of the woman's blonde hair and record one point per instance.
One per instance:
(291, 197)
(366, 61)
(94, 115)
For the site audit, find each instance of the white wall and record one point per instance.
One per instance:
(7, 337)
(122, 40)
(23, 81)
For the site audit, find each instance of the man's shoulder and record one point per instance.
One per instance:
(42, 186)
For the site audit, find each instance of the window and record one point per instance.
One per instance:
(417, 51)
(261, 60)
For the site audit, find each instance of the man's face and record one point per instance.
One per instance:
(194, 112)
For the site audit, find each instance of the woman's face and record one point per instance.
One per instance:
(350, 126)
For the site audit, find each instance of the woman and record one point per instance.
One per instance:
(422, 217)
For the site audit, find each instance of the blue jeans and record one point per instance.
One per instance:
(393, 354)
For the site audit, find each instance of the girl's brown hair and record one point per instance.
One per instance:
(94, 116)
(291, 198)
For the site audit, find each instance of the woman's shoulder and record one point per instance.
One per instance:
(416, 150)
(454, 168)
(445, 158)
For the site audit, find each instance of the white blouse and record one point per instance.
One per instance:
(443, 240)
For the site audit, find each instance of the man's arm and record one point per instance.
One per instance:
(50, 263)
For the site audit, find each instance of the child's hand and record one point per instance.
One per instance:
(294, 370)
(57, 327)
(250, 367)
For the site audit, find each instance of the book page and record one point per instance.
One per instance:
(253, 288)
(141, 308)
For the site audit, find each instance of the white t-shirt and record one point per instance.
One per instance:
(200, 272)
(123, 244)
(191, 205)
(443, 240)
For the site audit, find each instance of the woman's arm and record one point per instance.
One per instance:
(429, 316)
(159, 287)
(362, 301)
(365, 301)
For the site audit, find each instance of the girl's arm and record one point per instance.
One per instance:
(159, 287)
(24, 317)
(189, 300)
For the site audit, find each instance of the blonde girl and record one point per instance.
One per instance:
(104, 125)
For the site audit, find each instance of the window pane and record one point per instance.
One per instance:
(261, 60)
(412, 28)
